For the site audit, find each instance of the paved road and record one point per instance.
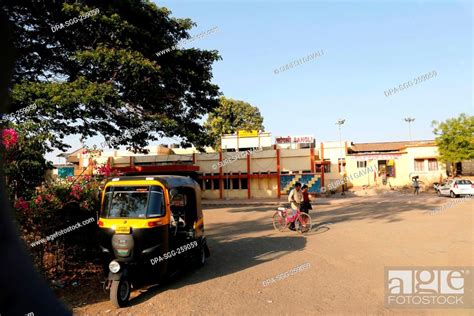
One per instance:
(347, 253)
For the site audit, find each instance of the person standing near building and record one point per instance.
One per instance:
(416, 186)
(295, 198)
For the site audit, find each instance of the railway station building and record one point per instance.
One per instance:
(252, 164)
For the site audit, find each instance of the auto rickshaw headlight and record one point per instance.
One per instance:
(114, 266)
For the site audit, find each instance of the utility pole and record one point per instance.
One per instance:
(340, 122)
(409, 120)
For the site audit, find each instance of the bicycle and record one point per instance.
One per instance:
(281, 220)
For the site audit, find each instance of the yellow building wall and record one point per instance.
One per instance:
(234, 162)
(424, 153)
(263, 188)
(295, 159)
(235, 194)
(263, 161)
(210, 194)
(404, 168)
(207, 162)
(360, 176)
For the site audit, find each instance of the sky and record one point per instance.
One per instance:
(368, 48)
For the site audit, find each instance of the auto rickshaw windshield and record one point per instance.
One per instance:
(133, 202)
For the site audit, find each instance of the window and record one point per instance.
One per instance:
(133, 202)
(339, 161)
(127, 204)
(207, 184)
(235, 184)
(432, 165)
(215, 184)
(156, 206)
(327, 167)
(419, 165)
(226, 183)
(362, 164)
(243, 184)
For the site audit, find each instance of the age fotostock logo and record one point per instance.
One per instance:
(429, 287)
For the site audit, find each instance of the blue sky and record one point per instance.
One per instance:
(369, 47)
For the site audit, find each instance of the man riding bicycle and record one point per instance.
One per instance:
(295, 198)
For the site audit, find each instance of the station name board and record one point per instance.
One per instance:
(247, 133)
(300, 139)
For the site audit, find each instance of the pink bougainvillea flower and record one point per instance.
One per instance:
(76, 191)
(49, 197)
(22, 205)
(70, 179)
(9, 137)
(105, 170)
(38, 199)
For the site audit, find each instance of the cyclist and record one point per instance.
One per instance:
(295, 198)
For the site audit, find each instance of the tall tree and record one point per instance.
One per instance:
(230, 116)
(102, 75)
(455, 139)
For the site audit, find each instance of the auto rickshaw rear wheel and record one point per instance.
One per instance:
(200, 256)
(120, 292)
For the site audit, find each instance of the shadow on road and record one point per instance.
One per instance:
(230, 254)
(239, 245)
(385, 210)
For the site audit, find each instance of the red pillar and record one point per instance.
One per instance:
(221, 184)
(278, 171)
(322, 165)
(311, 152)
(248, 177)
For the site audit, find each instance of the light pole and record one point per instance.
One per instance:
(340, 122)
(409, 120)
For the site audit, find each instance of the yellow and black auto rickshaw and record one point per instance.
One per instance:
(149, 227)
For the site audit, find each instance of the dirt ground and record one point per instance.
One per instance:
(347, 250)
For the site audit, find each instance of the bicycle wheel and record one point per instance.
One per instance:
(279, 221)
(303, 223)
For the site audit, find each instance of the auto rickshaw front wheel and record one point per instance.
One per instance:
(120, 292)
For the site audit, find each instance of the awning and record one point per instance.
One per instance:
(366, 157)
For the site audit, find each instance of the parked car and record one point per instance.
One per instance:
(455, 188)
(436, 185)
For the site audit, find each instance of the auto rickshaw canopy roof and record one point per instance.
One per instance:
(169, 181)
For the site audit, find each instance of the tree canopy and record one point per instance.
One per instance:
(455, 138)
(102, 75)
(230, 116)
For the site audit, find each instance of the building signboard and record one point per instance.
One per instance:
(299, 139)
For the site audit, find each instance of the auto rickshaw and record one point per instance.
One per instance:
(149, 227)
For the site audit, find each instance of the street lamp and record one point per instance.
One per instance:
(409, 120)
(340, 122)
